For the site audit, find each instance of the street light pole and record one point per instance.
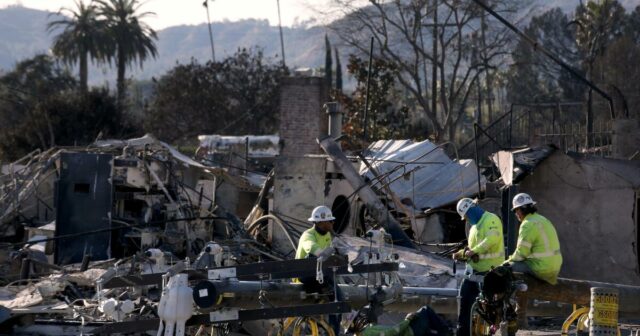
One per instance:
(213, 52)
(284, 65)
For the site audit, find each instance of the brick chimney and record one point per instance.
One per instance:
(302, 118)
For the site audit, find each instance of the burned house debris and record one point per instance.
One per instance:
(165, 236)
(135, 237)
(89, 233)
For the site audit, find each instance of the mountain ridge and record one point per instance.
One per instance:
(23, 34)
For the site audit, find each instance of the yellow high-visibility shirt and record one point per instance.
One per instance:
(312, 241)
(486, 240)
(539, 247)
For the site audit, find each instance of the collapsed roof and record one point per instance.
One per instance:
(422, 172)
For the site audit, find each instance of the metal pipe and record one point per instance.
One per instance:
(25, 267)
(335, 119)
(366, 98)
(475, 144)
(246, 156)
(85, 262)
(511, 126)
(242, 293)
(378, 210)
(284, 64)
(213, 52)
(429, 291)
(406, 299)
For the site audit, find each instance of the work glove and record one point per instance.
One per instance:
(459, 255)
(410, 316)
(471, 255)
(326, 253)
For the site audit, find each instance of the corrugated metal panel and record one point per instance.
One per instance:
(431, 178)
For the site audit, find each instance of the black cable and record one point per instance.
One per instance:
(86, 233)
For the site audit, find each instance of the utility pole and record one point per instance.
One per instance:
(284, 64)
(213, 52)
(434, 75)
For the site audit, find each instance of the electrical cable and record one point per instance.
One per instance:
(278, 221)
(86, 233)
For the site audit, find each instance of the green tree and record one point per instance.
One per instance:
(328, 64)
(238, 95)
(79, 119)
(23, 91)
(338, 72)
(599, 24)
(633, 26)
(82, 37)
(533, 78)
(40, 108)
(132, 39)
(620, 61)
(386, 118)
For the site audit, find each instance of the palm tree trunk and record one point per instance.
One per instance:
(84, 73)
(121, 79)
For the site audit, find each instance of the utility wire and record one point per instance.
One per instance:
(92, 232)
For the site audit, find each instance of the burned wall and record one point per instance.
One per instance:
(592, 208)
(298, 188)
(302, 119)
(626, 138)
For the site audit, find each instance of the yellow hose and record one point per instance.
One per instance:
(314, 324)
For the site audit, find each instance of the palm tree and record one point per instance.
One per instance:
(83, 36)
(133, 39)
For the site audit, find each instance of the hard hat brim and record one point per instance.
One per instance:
(520, 206)
(328, 219)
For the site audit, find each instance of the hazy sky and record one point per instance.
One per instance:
(176, 12)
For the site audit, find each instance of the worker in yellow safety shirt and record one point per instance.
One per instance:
(318, 238)
(538, 250)
(316, 243)
(484, 251)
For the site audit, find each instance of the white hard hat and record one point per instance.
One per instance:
(464, 205)
(522, 199)
(321, 214)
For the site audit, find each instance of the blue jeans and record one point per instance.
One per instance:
(521, 267)
(427, 322)
(468, 293)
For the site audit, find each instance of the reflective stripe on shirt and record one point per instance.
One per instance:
(545, 254)
(491, 255)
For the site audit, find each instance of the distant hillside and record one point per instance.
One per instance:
(23, 34)
(303, 47)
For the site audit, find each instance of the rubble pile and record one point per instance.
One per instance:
(132, 236)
